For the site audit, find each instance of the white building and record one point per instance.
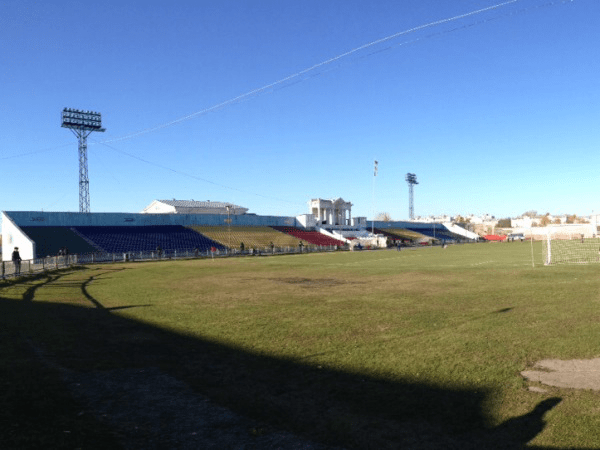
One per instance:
(331, 212)
(192, 207)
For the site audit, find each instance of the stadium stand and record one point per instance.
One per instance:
(258, 237)
(114, 239)
(50, 240)
(438, 233)
(399, 233)
(312, 237)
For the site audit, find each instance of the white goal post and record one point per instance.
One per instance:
(573, 245)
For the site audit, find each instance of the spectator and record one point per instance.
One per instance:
(16, 259)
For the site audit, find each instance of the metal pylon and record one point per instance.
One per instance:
(84, 182)
(82, 123)
(411, 201)
(411, 179)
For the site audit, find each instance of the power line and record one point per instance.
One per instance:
(297, 76)
(35, 152)
(195, 177)
(307, 70)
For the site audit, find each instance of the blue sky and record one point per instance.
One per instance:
(496, 112)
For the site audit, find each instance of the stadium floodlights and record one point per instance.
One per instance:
(82, 120)
(411, 178)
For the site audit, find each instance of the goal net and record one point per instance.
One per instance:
(571, 247)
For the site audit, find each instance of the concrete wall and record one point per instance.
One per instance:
(307, 220)
(12, 237)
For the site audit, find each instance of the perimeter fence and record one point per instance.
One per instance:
(9, 269)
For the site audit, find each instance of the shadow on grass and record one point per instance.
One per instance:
(84, 377)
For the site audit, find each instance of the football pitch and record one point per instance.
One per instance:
(421, 348)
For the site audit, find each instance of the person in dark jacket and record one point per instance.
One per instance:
(16, 259)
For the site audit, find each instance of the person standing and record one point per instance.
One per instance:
(16, 259)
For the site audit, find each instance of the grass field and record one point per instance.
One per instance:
(414, 349)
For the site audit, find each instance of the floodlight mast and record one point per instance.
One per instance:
(82, 123)
(411, 179)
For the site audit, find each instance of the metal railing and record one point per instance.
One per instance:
(9, 269)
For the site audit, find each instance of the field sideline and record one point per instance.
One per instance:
(420, 348)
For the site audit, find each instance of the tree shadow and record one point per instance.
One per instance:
(100, 380)
(522, 429)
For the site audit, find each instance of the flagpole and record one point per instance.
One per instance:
(373, 201)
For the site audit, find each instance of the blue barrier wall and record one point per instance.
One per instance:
(66, 219)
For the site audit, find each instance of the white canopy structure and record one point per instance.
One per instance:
(192, 207)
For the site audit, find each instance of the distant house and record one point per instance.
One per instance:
(192, 207)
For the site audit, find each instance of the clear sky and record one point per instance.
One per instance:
(495, 112)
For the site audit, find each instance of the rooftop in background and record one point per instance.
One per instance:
(193, 207)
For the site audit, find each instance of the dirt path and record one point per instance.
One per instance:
(575, 373)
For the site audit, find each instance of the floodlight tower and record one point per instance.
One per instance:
(82, 123)
(411, 179)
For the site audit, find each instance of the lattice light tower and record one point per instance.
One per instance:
(411, 179)
(82, 123)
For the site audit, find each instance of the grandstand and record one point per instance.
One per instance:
(439, 232)
(50, 240)
(312, 237)
(251, 237)
(40, 234)
(436, 231)
(396, 234)
(115, 239)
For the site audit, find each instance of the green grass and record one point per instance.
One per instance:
(360, 349)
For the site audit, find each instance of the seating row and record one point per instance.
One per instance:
(437, 233)
(146, 238)
(50, 240)
(251, 237)
(312, 237)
